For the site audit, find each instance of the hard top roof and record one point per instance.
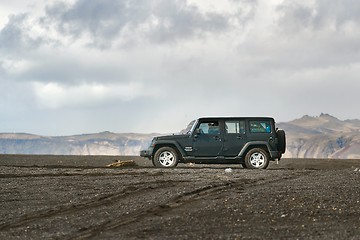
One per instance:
(235, 118)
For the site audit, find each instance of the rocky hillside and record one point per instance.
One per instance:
(105, 143)
(322, 136)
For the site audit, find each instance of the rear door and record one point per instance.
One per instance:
(234, 137)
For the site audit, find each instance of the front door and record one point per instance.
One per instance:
(234, 137)
(207, 140)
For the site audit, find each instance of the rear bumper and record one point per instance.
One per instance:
(275, 155)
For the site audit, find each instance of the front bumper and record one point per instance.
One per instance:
(146, 153)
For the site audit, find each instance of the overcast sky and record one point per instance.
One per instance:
(83, 66)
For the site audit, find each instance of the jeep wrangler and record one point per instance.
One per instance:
(249, 141)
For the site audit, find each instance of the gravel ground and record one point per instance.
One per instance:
(59, 197)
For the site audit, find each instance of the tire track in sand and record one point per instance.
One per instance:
(175, 202)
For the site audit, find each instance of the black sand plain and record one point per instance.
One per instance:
(78, 197)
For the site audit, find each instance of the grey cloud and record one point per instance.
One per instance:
(107, 20)
(339, 11)
(307, 37)
(177, 20)
(14, 37)
(320, 15)
(2, 72)
(245, 15)
(295, 16)
(104, 20)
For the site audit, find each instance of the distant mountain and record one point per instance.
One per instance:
(104, 143)
(322, 136)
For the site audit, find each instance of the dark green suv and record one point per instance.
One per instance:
(249, 141)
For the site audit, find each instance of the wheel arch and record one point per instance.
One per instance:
(171, 144)
(251, 145)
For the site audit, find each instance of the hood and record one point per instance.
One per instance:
(173, 136)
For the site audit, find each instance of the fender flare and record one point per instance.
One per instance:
(249, 144)
(170, 144)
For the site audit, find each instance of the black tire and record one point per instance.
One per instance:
(165, 157)
(257, 158)
(281, 141)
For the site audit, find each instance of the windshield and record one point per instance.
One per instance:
(187, 130)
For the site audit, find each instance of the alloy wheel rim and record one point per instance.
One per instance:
(257, 159)
(166, 158)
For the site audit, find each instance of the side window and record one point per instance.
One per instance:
(235, 127)
(209, 127)
(260, 127)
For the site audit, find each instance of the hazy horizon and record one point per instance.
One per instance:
(155, 133)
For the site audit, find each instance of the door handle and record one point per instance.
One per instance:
(239, 137)
(217, 138)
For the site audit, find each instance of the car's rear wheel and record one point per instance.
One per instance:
(257, 158)
(165, 157)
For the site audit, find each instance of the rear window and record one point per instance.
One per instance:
(260, 126)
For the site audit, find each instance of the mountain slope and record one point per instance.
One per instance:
(105, 143)
(322, 136)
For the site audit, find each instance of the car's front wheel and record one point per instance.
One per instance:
(257, 158)
(165, 157)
